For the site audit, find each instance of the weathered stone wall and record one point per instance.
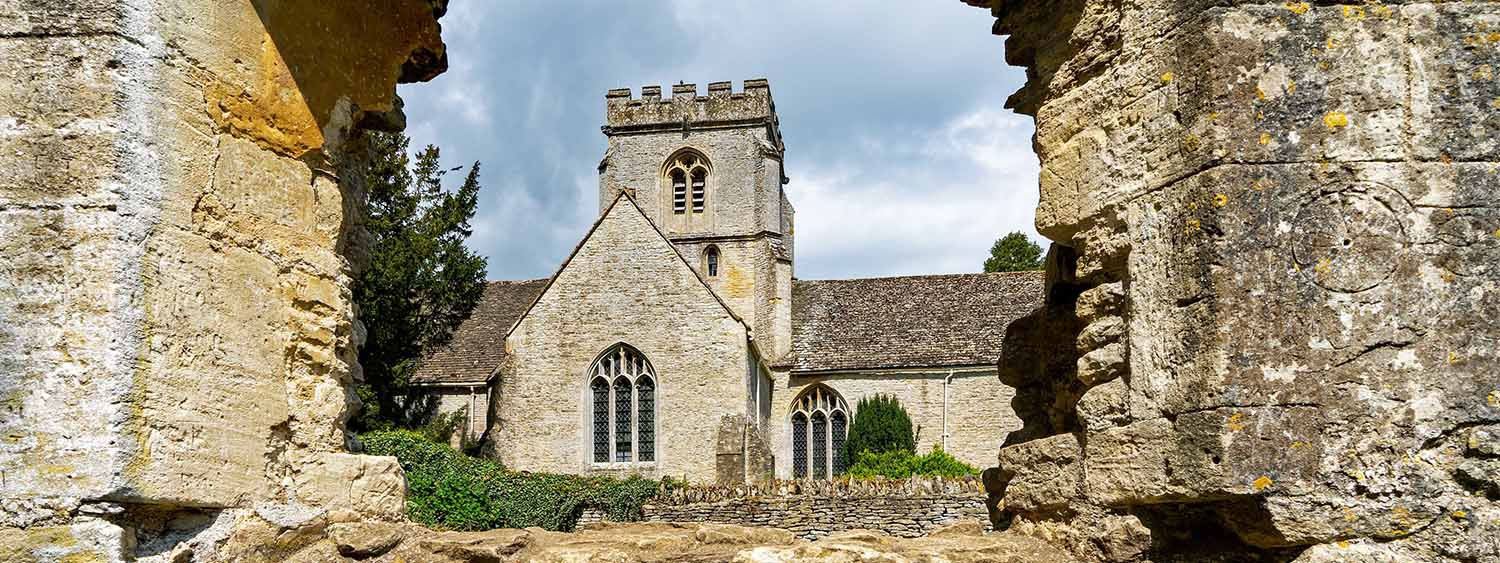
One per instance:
(625, 283)
(814, 509)
(178, 212)
(1275, 271)
(979, 414)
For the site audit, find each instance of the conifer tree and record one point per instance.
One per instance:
(880, 425)
(421, 281)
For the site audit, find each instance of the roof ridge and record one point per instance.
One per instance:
(920, 276)
(490, 282)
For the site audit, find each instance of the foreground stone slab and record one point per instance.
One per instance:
(647, 542)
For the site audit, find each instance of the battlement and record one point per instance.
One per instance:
(721, 107)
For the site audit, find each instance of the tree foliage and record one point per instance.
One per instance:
(1014, 253)
(450, 490)
(880, 425)
(421, 281)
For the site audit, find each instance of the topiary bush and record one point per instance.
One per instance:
(449, 490)
(880, 425)
(904, 464)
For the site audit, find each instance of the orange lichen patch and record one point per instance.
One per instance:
(1298, 8)
(1299, 444)
(1192, 143)
(1221, 200)
(1262, 483)
(1192, 226)
(1166, 78)
(1291, 87)
(1331, 44)
(1336, 119)
(1445, 159)
(1459, 514)
(1493, 399)
(1495, 103)
(1454, 358)
(1260, 94)
(1484, 72)
(1265, 139)
(1343, 544)
(1324, 266)
(1497, 233)
(1234, 423)
(1355, 12)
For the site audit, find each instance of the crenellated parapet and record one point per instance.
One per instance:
(687, 109)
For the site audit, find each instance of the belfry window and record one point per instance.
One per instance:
(820, 423)
(622, 388)
(679, 192)
(711, 261)
(687, 170)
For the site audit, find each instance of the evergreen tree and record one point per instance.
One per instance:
(421, 281)
(1014, 253)
(880, 425)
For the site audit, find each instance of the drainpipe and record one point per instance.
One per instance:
(946, 381)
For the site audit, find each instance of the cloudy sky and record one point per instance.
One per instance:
(901, 157)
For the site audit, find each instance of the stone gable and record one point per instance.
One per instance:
(625, 283)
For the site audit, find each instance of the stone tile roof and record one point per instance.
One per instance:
(903, 322)
(478, 345)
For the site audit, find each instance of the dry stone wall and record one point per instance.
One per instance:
(815, 509)
(179, 207)
(1275, 275)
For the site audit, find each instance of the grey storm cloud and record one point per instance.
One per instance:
(901, 157)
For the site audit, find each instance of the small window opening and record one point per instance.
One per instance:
(679, 192)
(712, 259)
(698, 178)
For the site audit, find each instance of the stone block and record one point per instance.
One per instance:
(1048, 473)
(1454, 81)
(1128, 464)
(86, 539)
(373, 487)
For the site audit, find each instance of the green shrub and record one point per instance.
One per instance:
(449, 490)
(904, 464)
(880, 425)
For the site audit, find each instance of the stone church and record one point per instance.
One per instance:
(677, 341)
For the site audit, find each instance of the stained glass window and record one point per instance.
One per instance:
(623, 405)
(820, 425)
(799, 445)
(623, 394)
(819, 446)
(601, 420)
(840, 430)
(645, 393)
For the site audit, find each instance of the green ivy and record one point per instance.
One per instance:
(449, 490)
(901, 464)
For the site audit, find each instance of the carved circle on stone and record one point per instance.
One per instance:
(1349, 240)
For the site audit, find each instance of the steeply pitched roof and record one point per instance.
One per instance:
(478, 344)
(905, 322)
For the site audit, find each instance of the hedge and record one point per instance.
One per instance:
(449, 490)
(903, 464)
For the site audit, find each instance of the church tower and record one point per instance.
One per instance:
(708, 171)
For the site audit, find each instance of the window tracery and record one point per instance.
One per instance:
(622, 388)
(819, 428)
(688, 173)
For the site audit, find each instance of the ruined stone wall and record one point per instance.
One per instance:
(813, 509)
(1274, 279)
(178, 211)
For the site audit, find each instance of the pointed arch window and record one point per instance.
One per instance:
(622, 388)
(688, 170)
(820, 424)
